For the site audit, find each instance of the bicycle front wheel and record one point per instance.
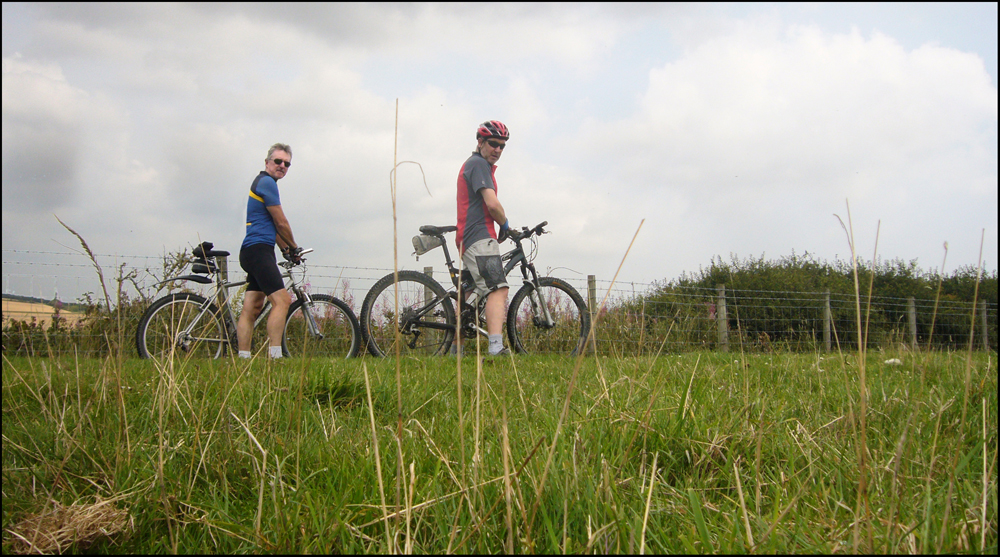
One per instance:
(425, 318)
(181, 324)
(528, 330)
(337, 334)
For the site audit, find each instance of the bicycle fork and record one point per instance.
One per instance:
(540, 308)
(307, 307)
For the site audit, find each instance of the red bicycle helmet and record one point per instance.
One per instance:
(493, 128)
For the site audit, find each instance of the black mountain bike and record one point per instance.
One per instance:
(186, 324)
(545, 315)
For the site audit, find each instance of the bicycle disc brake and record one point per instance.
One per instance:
(407, 320)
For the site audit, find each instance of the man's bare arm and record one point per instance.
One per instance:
(284, 238)
(493, 205)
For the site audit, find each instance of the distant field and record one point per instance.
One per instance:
(24, 311)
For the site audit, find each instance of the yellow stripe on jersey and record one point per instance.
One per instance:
(255, 196)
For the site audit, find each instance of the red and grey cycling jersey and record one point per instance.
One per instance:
(474, 219)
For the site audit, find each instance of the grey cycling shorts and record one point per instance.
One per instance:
(482, 259)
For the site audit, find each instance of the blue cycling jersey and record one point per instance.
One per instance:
(260, 225)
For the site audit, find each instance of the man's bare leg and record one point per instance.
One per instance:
(280, 301)
(496, 311)
(253, 301)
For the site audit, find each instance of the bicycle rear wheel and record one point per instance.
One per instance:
(341, 335)
(425, 318)
(181, 324)
(527, 330)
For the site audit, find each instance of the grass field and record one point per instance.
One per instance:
(698, 453)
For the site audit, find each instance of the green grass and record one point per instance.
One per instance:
(229, 457)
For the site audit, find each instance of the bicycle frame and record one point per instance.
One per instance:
(513, 258)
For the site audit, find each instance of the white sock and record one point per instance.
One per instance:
(245, 354)
(275, 352)
(496, 343)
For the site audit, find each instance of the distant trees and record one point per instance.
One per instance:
(781, 302)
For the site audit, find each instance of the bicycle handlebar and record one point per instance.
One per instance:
(289, 264)
(526, 232)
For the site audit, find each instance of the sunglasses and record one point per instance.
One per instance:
(496, 144)
(280, 162)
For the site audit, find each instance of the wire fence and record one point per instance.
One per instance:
(723, 318)
(636, 318)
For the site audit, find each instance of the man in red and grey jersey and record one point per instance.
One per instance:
(478, 211)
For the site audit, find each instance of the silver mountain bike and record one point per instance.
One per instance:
(189, 325)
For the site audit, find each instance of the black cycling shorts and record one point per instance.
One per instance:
(261, 266)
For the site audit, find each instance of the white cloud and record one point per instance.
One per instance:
(43, 119)
(807, 110)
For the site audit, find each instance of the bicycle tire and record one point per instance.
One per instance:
(157, 336)
(525, 331)
(336, 322)
(379, 323)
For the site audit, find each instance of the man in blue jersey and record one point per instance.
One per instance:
(266, 225)
(478, 211)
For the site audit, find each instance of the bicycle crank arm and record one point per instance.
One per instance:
(431, 325)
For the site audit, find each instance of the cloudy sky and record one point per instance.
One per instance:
(730, 128)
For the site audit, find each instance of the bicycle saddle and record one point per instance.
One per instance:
(204, 249)
(437, 230)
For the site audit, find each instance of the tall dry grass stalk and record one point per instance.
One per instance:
(649, 500)
(90, 254)
(986, 482)
(459, 354)
(395, 286)
(861, 514)
(400, 476)
(572, 384)
(393, 183)
(965, 398)
(937, 298)
(378, 459)
(743, 505)
(507, 487)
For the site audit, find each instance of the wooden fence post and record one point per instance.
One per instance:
(223, 265)
(721, 318)
(428, 295)
(592, 306)
(911, 310)
(592, 294)
(827, 321)
(984, 322)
